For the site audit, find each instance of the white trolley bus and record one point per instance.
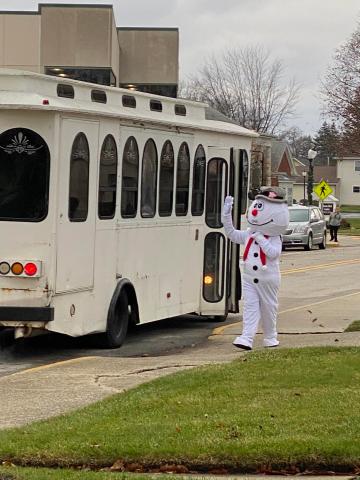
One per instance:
(110, 208)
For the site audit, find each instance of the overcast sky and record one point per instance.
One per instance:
(302, 33)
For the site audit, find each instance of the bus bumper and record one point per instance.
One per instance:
(26, 314)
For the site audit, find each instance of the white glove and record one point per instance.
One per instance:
(258, 236)
(228, 205)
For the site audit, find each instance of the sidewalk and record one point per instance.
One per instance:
(51, 390)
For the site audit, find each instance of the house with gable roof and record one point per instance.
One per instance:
(292, 174)
(283, 168)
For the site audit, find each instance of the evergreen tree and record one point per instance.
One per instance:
(326, 143)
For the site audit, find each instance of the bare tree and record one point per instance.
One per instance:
(299, 142)
(341, 89)
(247, 86)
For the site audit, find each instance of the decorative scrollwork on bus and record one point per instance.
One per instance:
(20, 144)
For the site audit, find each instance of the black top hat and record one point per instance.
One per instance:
(272, 194)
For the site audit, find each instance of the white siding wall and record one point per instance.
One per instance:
(348, 179)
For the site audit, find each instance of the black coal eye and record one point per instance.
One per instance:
(260, 206)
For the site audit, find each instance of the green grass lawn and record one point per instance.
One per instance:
(270, 409)
(16, 473)
(354, 227)
(350, 208)
(353, 327)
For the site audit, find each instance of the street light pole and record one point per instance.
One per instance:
(311, 156)
(304, 176)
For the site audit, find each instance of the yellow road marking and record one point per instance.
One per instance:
(320, 266)
(51, 365)
(220, 330)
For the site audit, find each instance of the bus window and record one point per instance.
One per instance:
(214, 261)
(215, 191)
(130, 177)
(149, 180)
(129, 101)
(107, 178)
(155, 105)
(166, 186)
(24, 176)
(65, 90)
(98, 96)
(182, 180)
(79, 179)
(180, 110)
(244, 172)
(198, 190)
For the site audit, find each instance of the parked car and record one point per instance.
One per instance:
(307, 227)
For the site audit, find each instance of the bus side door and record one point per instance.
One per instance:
(215, 267)
(76, 205)
(238, 188)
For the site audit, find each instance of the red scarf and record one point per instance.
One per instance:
(262, 254)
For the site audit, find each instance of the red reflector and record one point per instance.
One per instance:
(46, 102)
(30, 269)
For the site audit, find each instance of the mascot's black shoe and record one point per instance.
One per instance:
(243, 347)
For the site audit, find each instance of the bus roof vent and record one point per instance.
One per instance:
(156, 105)
(180, 110)
(129, 101)
(98, 96)
(65, 90)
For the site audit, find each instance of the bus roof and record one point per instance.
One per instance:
(28, 90)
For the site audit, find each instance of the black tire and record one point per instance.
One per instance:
(283, 248)
(218, 318)
(117, 323)
(322, 245)
(309, 245)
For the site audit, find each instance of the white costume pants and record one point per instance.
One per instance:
(260, 306)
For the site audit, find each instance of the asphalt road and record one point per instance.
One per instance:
(159, 338)
(308, 277)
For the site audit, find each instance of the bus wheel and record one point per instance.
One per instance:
(218, 318)
(117, 323)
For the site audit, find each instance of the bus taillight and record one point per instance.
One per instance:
(30, 269)
(4, 268)
(17, 268)
(20, 268)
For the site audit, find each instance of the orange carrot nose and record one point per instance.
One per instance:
(254, 212)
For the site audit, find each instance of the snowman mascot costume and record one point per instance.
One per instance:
(268, 219)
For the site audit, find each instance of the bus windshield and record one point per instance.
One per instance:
(24, 176)
(298, 215)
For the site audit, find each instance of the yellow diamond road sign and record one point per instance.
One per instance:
(323, 190)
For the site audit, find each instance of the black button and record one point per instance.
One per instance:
(256, 255)
(255, 243)
(255, 267)
(256, 280)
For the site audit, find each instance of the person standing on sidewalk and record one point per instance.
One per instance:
(334, 224)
